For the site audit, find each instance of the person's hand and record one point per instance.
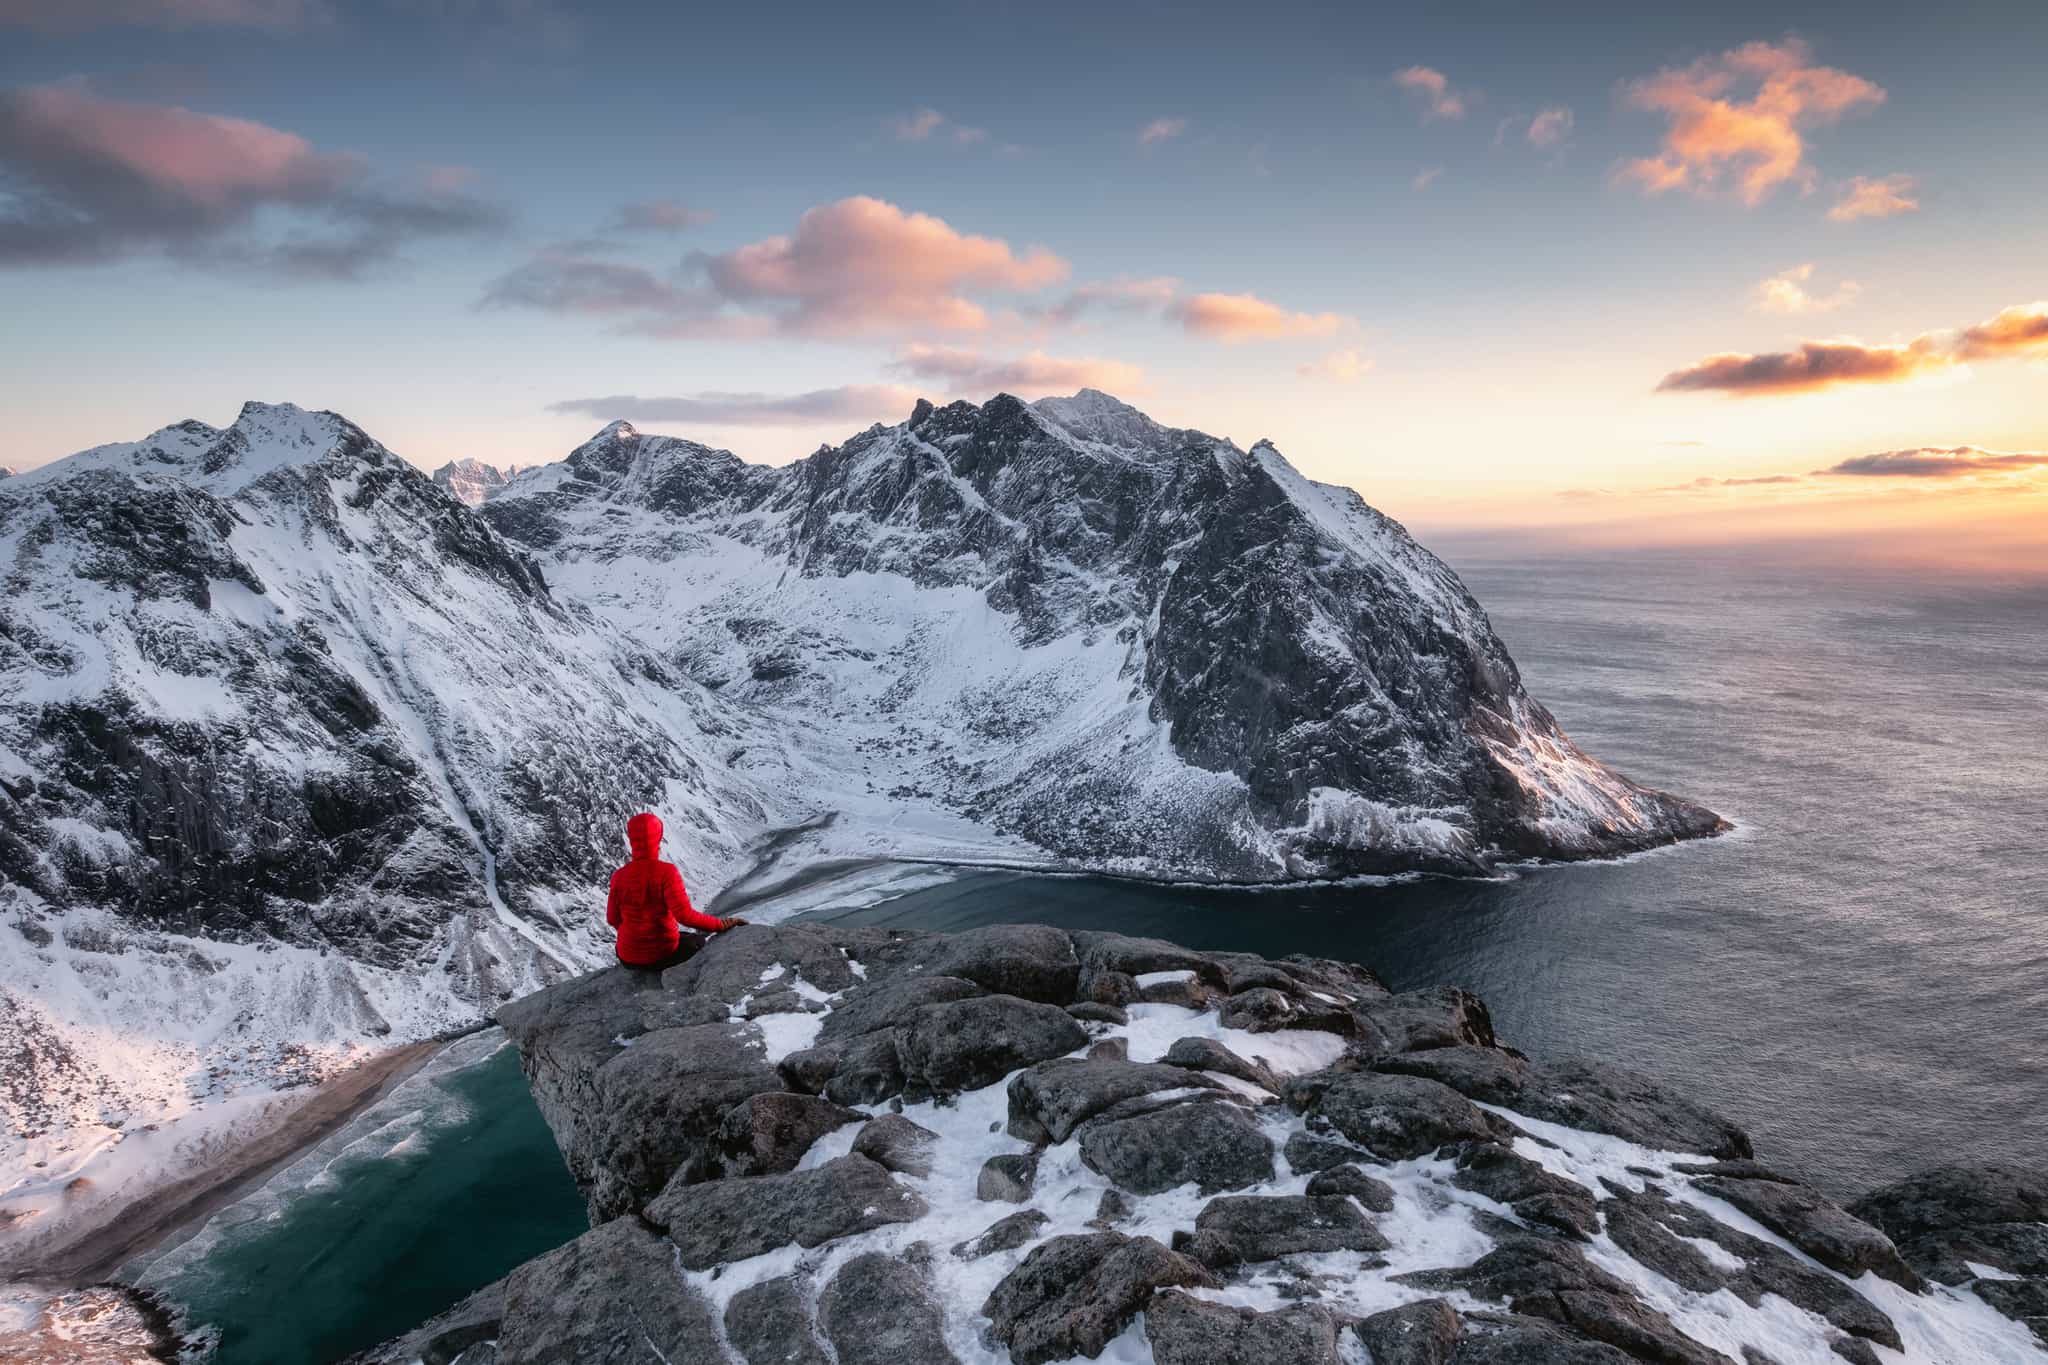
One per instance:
(734, 923)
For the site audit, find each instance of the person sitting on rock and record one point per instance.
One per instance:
(650, 908)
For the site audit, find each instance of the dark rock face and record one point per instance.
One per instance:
(769, 1134)
(896, 1144)
(1091, 1226)
(1944, 1218)
(1816, 1226)
(1053, 1098)
(1241, 1228)
(1185, 1330)
(1423, 1333)
(877, 1311)
(1397, 1117)
(1212, 1144)
(1072, 1294)
(1351, 1182)
(1533, 1193)
(730, 1220)
(967, 1044)
(609, 1295)
(768, 1325)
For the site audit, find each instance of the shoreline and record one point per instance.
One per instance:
(112, 1237)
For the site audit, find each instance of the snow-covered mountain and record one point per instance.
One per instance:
(300, 754)
(1131, 646)
(470, 480)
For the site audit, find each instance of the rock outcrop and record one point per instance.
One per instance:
(1340, 1170)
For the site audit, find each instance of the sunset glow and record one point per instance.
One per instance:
(1648, 276)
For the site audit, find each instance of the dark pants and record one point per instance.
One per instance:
(688, 947)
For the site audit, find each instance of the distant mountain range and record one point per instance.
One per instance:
(301, 748)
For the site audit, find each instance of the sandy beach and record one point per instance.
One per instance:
(80, 1237)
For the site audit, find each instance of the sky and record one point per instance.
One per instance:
(1621, 272)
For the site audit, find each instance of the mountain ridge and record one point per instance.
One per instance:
(302, 756)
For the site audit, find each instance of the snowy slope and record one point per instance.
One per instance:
(1129, 646)
(300, 755)
(298, 758)
(470, 481)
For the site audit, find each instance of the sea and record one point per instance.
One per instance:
(1858, 974)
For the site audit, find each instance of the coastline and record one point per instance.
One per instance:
(93, 1246)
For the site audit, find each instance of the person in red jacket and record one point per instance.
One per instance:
(650, 908)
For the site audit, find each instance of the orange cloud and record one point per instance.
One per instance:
(1026, 376)
(1247, 317)
(1884, 198)
(2021, 330)
(2018, 330)
(1785, 292)
(1933, 462)
(1716, 135)
(863, 265)
(1439, 99)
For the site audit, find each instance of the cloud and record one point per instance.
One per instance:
(659, 215)
(1424, 179)
(1247, 317)
(566, 280)
(1785, 292)
(848, 403)
(1347, 366)
(1026, 376)
(2019, 331)
(1439, 100)
(1715, 135)
(1884, 198)
(1550, 127)
(1815, 365)
(863, 265)
(74, 16)
(95, 179)
(926, 125)
(1161, 130)
(1123, 295)
(1930, 462)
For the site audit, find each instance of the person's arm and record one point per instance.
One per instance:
(688, 915)
(611, 903)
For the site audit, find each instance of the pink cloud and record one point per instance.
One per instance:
(1718, 133)
(1161, 130)
(1439, 100)
(107, 177)
(926, 124)
(1786, 292)
(1885, 198)
(1036, 373)
(1424, 179)
(864, 265)
(1247, 317)
(1550, 127)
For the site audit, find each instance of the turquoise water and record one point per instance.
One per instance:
(441, 1188)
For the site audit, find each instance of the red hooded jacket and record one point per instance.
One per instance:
(647, 902)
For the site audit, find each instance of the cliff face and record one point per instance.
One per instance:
(1019, 1144)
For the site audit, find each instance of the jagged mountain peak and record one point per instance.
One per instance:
(470, 480)
(263, 438)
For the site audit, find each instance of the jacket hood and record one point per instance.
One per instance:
(643, 832)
